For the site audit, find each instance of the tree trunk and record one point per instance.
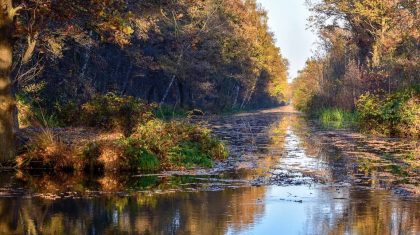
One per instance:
(168, 89)
(7, 102)
(181, 94)
(150, 94)
(235, 101)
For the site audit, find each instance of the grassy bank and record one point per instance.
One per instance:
(117, 133)
(337, 118)
(394, 114)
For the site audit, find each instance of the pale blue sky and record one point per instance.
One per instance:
(288, 21)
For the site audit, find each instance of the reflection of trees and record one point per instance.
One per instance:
(365, 212)
(180, 213)
(299, 127)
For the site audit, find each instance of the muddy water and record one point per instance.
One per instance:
(285, 176)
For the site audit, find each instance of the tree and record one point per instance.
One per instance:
(7, 132)
(211, 55)
(35, 21)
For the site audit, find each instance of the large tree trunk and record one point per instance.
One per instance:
(7, 103)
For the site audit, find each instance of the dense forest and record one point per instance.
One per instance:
(56, 56)
(367, 66)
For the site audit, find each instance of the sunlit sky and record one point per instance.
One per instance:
(288, 21)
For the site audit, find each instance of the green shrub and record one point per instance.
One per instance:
(179, 144)
(392, 114)
(145, 161)
(168, 112)
(68, 113)
(30, 113)
(189, 154)
(138, 157)
(111, 111)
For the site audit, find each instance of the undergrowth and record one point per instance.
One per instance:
(149, 143)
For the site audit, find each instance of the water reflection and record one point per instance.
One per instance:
(305, 187)
(181, 213)
(255, 210)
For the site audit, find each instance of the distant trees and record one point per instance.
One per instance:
(367, 46)
(213, 54)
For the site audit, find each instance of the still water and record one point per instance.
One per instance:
(280, 180)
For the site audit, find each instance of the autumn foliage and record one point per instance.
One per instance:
(369, 54)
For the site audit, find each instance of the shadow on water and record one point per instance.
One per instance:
(281, 179)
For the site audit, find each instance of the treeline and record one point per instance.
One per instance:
(368, 63)
(214, 55)
(57, 57)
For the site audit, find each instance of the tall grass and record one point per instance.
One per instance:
(337, 118)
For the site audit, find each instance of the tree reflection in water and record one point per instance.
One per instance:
(240, 210)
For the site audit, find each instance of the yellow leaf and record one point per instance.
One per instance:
(128, 30)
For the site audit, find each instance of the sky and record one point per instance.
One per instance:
(288, 22)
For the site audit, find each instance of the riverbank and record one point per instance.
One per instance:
(258, 140)
(154, 146)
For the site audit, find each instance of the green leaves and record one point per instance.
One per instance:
(392, 114)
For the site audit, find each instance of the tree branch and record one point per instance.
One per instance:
(30, 49)
(13, 11)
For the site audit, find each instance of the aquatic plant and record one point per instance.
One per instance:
(337, 118)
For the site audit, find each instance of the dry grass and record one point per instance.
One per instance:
(155, 145)
(45, 149)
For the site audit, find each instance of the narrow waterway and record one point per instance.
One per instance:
(285, 176)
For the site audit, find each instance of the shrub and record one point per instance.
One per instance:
(138, 157)
(111, 111)
(31, 114)
(189, 154)
(153, 145)
(180, 144)
(391, 114)
(68, 113)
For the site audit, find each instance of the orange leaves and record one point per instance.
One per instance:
(110, 18)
